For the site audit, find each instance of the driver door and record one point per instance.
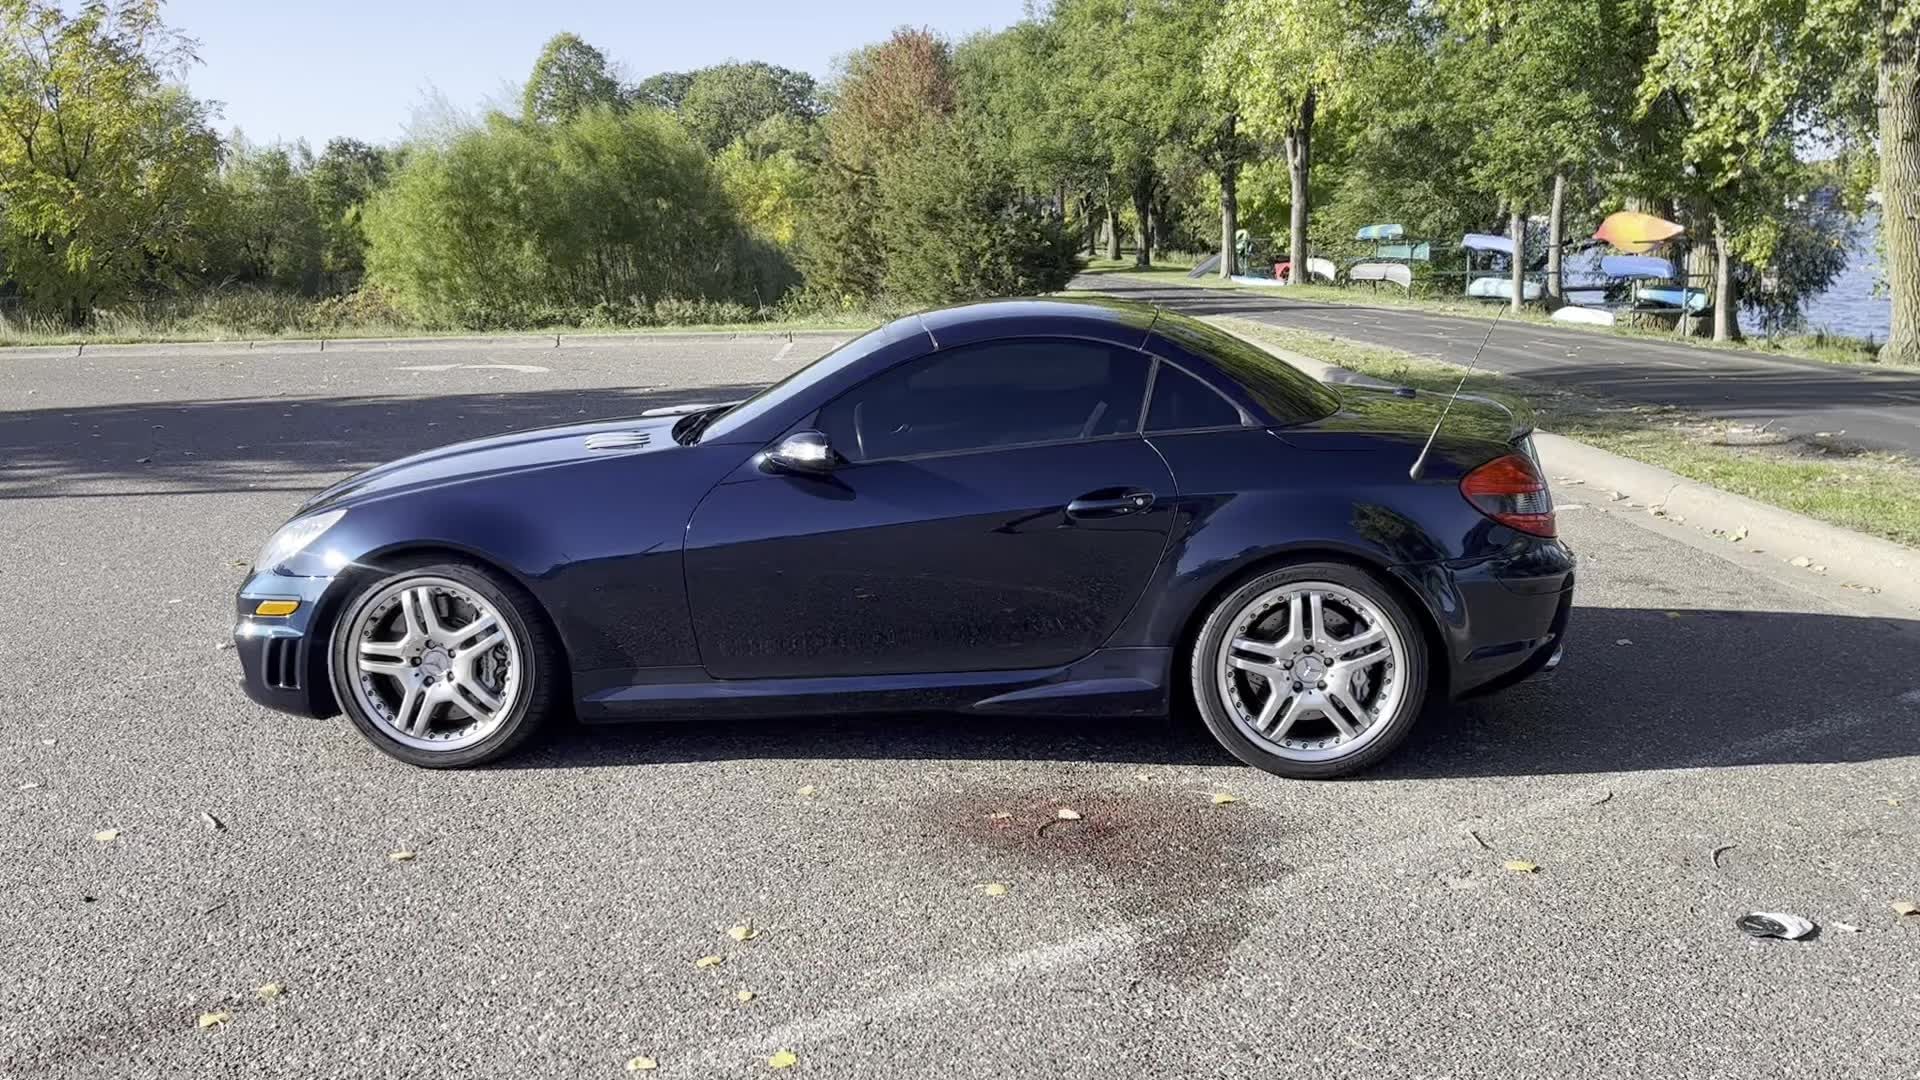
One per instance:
(998, 510)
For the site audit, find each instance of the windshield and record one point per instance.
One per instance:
(1289, 395)
(726, 423)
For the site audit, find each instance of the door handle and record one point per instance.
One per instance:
(1101, 504)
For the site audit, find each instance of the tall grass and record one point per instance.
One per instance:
(259, 314)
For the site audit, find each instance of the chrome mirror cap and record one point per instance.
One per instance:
(805, 452)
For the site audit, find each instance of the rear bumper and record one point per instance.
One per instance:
(283, 666)
(1501, 619)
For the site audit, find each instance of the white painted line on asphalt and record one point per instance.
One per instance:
(524, 369)
(972, 983)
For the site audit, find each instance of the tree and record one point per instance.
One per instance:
(1542, 79)
(723, 103)
(569, 77)
(267, 216)
(1136, 81)
(884, 96)
(346, 175)
(1895, 38)
(953, 225)
(1283, 63)
(106, 168)
(524, 224)
(663, 91)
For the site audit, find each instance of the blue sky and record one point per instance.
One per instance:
(359, 68)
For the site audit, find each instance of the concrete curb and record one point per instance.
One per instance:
(271, 346)
(1891, 569)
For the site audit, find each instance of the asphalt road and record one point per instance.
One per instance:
(1863, 406)
(1718, 741)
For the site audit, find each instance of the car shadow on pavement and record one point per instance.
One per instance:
(256, 444)
(1641, 689)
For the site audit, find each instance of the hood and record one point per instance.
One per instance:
(512, 452)
(1370, 417)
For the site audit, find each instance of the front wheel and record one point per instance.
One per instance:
(444, 664)
(1310, 671)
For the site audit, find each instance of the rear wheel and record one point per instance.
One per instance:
(1310, 671)
(444, 664)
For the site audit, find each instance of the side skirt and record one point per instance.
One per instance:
(1108, 682)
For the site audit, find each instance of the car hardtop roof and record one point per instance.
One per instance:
(1095, 318)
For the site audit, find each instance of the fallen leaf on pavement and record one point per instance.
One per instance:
(1623, 641)
(642, 1063)
(1800, 560)
(785, 1059)
(214, 1019)
(993, 888)
(1905, 908)
(1000, 815)
(1221, 798)
(401, 856)
(743, 996)
(1065, 814)
(107, 836)
(808, 791)
(211, 822)
(1616, 495)
(270, 991)
(1891, 802)
(1145, 778)
(1738, 535)
(743, 932)
(1846, 928)
(1521, 866)
(29, 786)
(707, 962)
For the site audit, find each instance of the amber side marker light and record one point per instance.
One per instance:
(277, 607)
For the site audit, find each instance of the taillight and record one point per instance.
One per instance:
(1511, 491)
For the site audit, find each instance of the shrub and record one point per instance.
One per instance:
(511, 224)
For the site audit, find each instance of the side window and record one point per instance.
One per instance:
(1181, 401)
(1001, 393)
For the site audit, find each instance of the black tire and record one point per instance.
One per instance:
(1393, 729)
(544, 699)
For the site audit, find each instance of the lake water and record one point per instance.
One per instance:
(1850, 307)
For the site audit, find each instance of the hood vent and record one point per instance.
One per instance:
(618, 440)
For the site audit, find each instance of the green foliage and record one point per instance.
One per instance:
(105, 168)
(569, 77)
(346, 175)
(767, 191)
(885, 95)
(269, 233)
(517, 224)
(952, 226)
(724, 103)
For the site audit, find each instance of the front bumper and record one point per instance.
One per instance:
(283, 662)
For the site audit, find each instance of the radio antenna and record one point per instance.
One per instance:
(1420, 463)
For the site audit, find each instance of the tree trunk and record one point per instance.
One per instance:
(1229, 219)
(1143, 210)
(1726, 311)
(1299, 148)
(1900, 186)
(1113, 232)
(1556, 233)
(1517, 229)
(1699, 271)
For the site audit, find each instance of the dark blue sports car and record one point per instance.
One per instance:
(1033, 506)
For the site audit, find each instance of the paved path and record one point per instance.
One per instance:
(1718, 740)
(1878, 409)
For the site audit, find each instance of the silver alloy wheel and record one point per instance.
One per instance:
(435, 667)
(1311, 671)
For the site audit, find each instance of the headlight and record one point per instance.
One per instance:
(294, 537)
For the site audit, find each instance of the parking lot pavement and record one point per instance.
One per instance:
(1718, 741)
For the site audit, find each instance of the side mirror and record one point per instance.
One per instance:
(805, 452)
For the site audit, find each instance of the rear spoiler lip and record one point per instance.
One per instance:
(1520, 423)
